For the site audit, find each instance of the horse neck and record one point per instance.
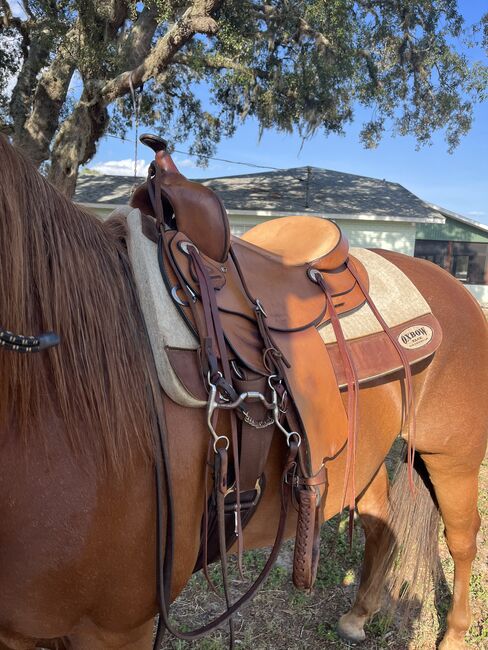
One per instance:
(67, 272)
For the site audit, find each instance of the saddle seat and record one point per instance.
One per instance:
(301, 240)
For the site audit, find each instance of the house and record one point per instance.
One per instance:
(372, 212)
(460, 246)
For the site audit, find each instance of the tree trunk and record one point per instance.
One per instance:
(36, 117)
(76, 142)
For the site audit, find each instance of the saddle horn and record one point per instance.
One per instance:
(154, 142)
(160, 147)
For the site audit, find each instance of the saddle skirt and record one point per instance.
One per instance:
(175, 346)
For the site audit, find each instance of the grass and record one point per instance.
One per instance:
(282, 617)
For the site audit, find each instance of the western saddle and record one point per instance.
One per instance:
(254, 304)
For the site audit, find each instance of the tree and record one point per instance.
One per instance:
(71, 71)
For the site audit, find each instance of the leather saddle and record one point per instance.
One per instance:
(255, 304)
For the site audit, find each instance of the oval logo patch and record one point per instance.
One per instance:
(415, 336)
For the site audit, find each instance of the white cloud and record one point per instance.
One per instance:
(186, 162)
(126, 167)
(477, 213)
(121, 167)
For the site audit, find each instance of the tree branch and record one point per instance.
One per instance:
(196, 19)
(35, 58)
(8, 20)
(137, 45)
(322, 42)
(6, 13)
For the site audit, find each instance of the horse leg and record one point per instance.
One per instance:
(457, 495)
(373, 511)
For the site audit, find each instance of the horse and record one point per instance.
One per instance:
(77, 451)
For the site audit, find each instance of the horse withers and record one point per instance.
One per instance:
(77, 490)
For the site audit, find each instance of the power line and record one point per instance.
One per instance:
(232, 162)
(187, 153)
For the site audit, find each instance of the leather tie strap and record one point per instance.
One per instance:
(409, 417)
(352, 404)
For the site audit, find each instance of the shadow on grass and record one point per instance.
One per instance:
(282, 617)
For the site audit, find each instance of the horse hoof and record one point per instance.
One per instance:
(351, 628)
(448, 643)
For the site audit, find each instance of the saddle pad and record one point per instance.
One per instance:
(398, 300)
(175, 348)
(164, 323)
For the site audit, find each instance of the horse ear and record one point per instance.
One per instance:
(140, 199)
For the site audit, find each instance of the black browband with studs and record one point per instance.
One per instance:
(20, 343)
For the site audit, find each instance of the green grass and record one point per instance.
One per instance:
(282, 617)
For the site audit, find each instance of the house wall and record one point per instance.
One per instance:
(391, 235)
(100, 210)
(480, 292)
(452, 230)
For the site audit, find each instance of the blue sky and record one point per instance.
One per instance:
(457, 181)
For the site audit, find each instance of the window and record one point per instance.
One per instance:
(461, 267)
(466, 261)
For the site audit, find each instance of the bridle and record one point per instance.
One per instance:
(24, 344)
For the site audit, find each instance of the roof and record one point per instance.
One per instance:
(459, 217)
(302, 190)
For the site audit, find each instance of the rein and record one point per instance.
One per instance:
(223, 449)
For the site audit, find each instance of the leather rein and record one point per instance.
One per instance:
(222, 396)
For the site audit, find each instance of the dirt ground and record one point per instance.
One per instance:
(282, 617)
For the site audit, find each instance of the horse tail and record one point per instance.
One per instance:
(410, 551)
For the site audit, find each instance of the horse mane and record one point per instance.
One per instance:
(64, 270)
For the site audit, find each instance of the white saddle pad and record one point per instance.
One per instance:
(396, 297)
(398, 300)
(164, 323)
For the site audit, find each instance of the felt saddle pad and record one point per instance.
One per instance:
(175, 347)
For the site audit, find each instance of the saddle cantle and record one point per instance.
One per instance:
(265, 346)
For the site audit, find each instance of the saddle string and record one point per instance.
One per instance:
(221, 474)
(409, 419)
(213, 320)
(352, 404)
(206, 523)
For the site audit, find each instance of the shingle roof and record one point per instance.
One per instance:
(297, 190)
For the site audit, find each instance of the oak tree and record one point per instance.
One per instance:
(73, 71)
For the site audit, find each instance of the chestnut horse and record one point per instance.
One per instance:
(77, 490)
